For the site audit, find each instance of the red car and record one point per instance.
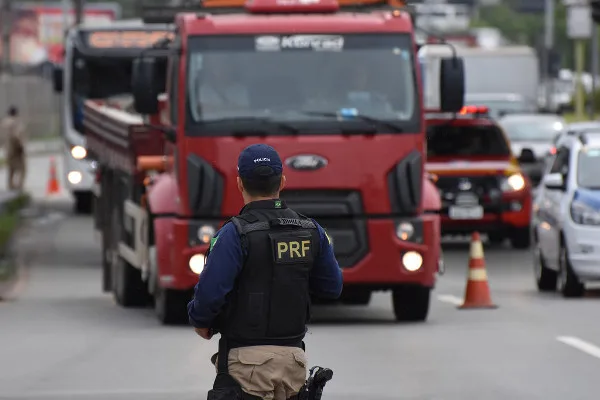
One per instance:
(480, 182)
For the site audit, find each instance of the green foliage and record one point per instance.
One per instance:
(528, 29)
(9, 219)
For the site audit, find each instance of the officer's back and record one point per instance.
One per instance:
(255, 288)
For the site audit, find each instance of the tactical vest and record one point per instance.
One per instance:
(270, 303)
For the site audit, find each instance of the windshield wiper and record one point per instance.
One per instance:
(372, 120)
(261, 120)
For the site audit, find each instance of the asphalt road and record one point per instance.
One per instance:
(61, 338)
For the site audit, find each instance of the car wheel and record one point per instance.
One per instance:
(544, 277)
(568, 283)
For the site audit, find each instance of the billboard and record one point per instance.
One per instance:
(37, 30)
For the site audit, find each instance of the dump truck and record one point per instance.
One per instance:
(307, 74)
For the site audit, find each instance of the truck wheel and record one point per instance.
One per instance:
(83, 202)
(411, 302)
(544, 277)
(521, 238)
(568, 283)
(127, 285)
(356, 296)
(170, 306)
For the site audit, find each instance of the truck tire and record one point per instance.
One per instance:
(411, 303)
(521, 238)
(128, 288)
(170, 306)
(83, 202)
(356, 296)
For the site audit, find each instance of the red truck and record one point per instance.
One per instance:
(481, 184)
(336, 92)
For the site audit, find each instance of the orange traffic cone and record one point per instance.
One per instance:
(53, 186)
(477, 293)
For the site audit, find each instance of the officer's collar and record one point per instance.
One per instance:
(274, 204)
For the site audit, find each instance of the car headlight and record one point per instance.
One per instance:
(78, 152)
(584, 214)
(513, 183)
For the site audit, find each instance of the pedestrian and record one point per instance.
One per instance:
(261, 268)
(14, 134)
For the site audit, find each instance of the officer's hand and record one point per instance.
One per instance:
(204, 333)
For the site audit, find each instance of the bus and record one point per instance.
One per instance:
(97, 65)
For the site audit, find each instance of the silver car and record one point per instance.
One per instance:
(532, 140)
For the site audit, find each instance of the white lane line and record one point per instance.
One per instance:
(450, 299)
(581, 345)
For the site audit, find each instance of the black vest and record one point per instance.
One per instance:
(270, 303)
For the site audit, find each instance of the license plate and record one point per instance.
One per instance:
(466, 212)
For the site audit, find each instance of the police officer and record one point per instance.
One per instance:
(255, 289)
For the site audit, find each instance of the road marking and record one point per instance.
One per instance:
(581, 345)
(451, 299)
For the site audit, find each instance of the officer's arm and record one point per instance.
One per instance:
(326, 277)
(223, 264)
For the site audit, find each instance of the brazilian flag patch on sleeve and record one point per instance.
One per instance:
(213, 241)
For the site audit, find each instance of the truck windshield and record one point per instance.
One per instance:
(99, 78)
(464, 141)
(314, 83)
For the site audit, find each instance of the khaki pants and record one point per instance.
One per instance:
(268, 372)
(16, 172)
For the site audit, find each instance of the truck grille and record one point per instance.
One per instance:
(333, 210)
(485, 190)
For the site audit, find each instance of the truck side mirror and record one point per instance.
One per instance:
(57, 79)
(144, 85)
(452, 84)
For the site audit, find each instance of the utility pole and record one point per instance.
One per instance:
(78, 6)
(548, 47)
(6, 28)
(579, 29)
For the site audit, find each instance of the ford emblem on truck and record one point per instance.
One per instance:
(306, 162)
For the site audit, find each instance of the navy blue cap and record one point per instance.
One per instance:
(259, 161)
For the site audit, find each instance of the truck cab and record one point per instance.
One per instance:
(338, 94)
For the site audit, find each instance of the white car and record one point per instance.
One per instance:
(566, 217)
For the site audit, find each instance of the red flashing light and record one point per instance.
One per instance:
(552, 150)
(474, 110)
(291, 6)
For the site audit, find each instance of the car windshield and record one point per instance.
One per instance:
(588, 165)
(464, 141)
(312, 82)
(535, 130)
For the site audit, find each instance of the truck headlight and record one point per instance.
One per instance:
(405, 230)
(197, 262)
(513, 183)
(78, 152)
(412, 261)
(205, 233)
(584, 214)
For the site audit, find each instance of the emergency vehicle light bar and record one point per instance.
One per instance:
(164, 14)
(474, 110)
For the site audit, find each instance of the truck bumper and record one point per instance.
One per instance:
(383, 267)
(386, 265)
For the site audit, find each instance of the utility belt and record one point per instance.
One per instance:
(227, 388)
